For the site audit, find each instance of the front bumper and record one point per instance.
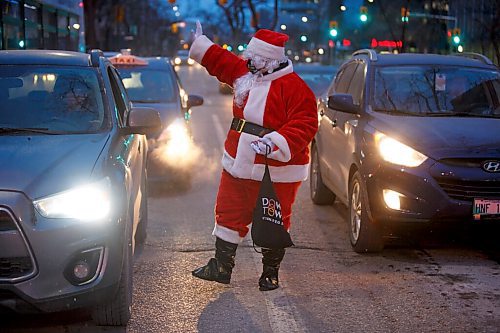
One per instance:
(53, 247)
(426, 197)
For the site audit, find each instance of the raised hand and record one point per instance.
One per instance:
(199, 30)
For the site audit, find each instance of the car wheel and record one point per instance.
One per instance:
(320, 194)
(118, 311)
(365, 235)
(141, 232)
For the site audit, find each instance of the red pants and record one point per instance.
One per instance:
(236, 201)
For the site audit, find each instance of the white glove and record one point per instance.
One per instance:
(262, 145)
(199, 30)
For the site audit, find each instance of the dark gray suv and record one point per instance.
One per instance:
(73, 193)
(409, 139)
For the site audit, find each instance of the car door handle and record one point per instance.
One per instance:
(333, 122)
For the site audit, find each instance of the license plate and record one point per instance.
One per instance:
(485, 207)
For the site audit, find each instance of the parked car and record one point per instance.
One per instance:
(409, 138)
(316, 76)
(182, 58)
(72, 185)
(153, 82)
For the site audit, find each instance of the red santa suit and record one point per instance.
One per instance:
(280, 101)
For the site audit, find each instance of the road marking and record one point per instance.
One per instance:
(283, 316)
(218, 129)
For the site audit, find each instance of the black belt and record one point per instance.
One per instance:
(241, 125)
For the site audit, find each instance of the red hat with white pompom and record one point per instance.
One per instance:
(268, 44)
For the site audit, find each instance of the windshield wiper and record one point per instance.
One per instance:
(146, 101)
(394, 111)
(25, 130)
(460, 114)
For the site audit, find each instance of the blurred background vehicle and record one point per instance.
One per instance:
(73, 188)
(182, 58)
(409, 140)
(153, 82)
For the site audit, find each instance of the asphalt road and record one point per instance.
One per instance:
(440, 281)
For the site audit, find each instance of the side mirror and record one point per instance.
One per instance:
(142, 120)
(343, 102)
(194, 100)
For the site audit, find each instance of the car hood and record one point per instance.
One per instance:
(42, 165)
(168, 111)
(443, 137)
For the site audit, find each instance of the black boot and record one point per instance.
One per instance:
(271, 259)
(219, 269)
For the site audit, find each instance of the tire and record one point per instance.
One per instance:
(118, 311)
(364, 234)
(320, 194)
(141, 233)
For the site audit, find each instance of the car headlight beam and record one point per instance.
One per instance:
(90, 202)
(393, 151)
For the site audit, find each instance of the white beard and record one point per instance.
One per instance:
(242, 87)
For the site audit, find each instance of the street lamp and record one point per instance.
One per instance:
(343, 8)
(304, 19)
(303, 38)
(283, 27)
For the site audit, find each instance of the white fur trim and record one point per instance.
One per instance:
(256, 103)
(282, 174)
(264, 49)
(283, 154)
(241, 166)
(199, 48)
(227, 234)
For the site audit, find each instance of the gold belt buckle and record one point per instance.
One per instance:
(241, 124)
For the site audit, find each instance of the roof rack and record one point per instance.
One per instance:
(476, 56)
(95, 54)
(371, 53)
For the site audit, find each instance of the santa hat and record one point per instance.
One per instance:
(268, 44)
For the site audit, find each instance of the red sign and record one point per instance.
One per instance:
(386, 43)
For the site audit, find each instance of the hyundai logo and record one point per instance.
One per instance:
(491, 166)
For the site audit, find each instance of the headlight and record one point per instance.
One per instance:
(190, 61)
(396, 152)
(177, 60)
(89, 202)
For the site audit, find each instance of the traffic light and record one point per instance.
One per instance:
(455, 36)
(333, 29)
(405, 13)
(363, 14)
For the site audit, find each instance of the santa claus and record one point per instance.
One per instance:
(273, 107)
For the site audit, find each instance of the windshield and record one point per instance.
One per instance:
(427, 90)
(148, 85)
(54, 99)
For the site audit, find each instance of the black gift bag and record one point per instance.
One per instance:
(267, 227)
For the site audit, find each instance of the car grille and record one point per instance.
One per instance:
(16, 261)
(468, 190)
(6, 223)
(11, 268)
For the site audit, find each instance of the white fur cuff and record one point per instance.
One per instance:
(199, 48)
